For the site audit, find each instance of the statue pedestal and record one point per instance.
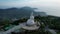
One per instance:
(35, 27)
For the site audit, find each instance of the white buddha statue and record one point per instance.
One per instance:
(31, 25)
(31, 20)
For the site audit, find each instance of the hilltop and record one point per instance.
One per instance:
(19, 12)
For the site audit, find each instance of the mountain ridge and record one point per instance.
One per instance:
(18, 12)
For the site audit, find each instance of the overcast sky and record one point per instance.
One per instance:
(51, 7)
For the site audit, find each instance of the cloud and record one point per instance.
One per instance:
(51, 3)
(51, 7)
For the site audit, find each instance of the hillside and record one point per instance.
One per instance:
(19, 12)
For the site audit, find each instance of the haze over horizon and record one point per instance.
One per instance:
(51, 7)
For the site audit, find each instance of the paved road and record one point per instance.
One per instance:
(50, 30)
